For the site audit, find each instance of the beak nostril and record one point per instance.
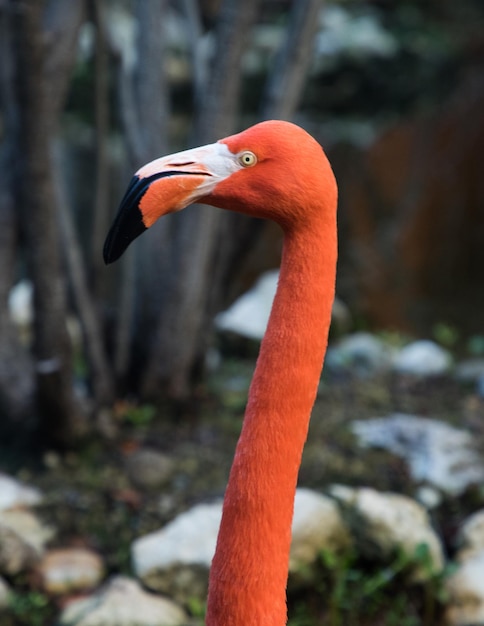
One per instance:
(181, 163)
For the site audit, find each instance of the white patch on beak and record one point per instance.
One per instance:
(214, 162)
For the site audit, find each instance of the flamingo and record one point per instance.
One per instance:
(273, 170)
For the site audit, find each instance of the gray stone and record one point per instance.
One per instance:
(317, 525)
(438, 454)
(465, 589)
(22, 540)
(361, 353)
(471, 535)
(70, 569)
(15, 555)
(122, 602)
(470, 370)
(148, 468)
(422, 358)
(429, 497)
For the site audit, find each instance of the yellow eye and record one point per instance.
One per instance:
(247, 159)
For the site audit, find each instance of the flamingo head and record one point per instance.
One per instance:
(271, 170)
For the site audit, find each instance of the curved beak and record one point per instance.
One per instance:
(164, 186)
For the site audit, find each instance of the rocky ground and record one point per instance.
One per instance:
(390, 523)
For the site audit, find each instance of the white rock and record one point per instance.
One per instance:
(122, 602)
(382, 523)
(361, 353)
(429, 497)
(465, 588)
(28, 527)
(422, 358)
(176, 559)
(471, 534)
(15, 555)
(14, 494)
(20, 303)
(189, 539)
(249, 314)
(437, 454)
(22, 540)
(70, 569)
(317, 525)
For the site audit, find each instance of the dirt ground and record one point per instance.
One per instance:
(93, 497)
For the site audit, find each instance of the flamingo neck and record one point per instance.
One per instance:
(249, 570)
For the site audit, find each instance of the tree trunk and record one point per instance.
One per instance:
(41, 86)
(16, 368)
(195, 238)
(101, 214)
(100, 374)
(144, 110)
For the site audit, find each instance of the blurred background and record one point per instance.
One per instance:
(90, 90)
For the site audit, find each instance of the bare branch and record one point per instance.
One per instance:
(286, 82)
(62, 21)
(101, 379)
(57, 405)
(101, 113)
(151, 90)
(199, 62)
(220, 99)
(144, 110)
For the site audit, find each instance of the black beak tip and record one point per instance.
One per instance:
(108, 254)
(127, 227)
(128, 223)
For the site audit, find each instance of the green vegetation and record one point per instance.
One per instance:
(446, 334)
(353, 592)
(28, 608)
(138, 416)
(90, 497)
